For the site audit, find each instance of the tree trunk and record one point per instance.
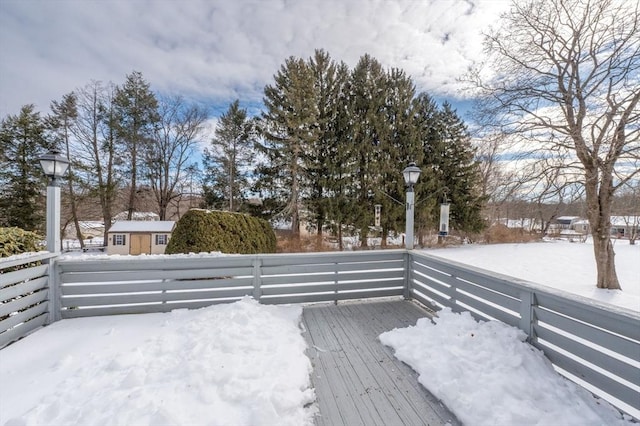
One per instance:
(599, 197)
(605, 261)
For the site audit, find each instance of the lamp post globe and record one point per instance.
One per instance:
(411, 174)
(54, 165)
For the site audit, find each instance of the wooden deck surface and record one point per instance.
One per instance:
(357, 380)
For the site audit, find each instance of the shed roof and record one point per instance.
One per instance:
(142, 226)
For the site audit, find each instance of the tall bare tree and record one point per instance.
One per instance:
(566, 80)
(175, 139)
(96, 142)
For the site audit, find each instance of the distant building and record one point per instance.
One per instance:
(136, 216)
(139, 237)
(625, 226)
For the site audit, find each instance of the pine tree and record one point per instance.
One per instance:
(452, 174)
(397, 148)
(22, 142)
(227, 162)
(322, 158)
(289, 128)
(136, 110)
(367, 97)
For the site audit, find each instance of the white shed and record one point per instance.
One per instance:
(139, 237)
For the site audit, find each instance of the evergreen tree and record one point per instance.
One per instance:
(22, 142)
(289, 128)
(228, 159)
(367, 97)
(452, 174)
(321, 157)
(137, 116)
(397, 148)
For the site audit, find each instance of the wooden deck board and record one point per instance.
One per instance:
(358, 381)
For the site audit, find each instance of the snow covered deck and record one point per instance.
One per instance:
(357, 380)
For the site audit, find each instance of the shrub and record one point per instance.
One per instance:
(205, 231)
(17, 241)
(502, 234)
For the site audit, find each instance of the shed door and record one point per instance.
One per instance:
(140, 243)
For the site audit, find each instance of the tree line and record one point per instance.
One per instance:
(331, 143)
(118, 138)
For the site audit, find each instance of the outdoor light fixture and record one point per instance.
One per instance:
(54, 165)
(411, 174)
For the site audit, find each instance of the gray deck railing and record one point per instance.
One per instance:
(588, 342)
(24, 296)
(107, 287)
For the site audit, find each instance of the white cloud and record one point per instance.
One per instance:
(221, 50)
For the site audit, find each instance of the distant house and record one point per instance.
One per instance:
(136, 216)
(139, 237)
(625, 226)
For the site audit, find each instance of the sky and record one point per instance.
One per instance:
(214, 52)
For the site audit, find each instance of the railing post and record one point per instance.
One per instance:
(407, 275)
(527, 315)
(257, 278)
(53, 283)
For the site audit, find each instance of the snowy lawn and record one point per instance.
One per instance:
(559, 264)
(233, 364)
(487, 375)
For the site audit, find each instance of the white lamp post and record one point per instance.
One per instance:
(411, 174)
(54, 166)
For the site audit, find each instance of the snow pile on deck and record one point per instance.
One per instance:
(487, 375)
(232, 364)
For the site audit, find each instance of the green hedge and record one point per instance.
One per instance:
(205, 231)
(17, 241)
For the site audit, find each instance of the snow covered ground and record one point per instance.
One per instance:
(244, 363)
(558, 264)
(487, 376)
(233, 364)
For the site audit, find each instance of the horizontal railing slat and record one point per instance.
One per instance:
(14, 277)
(598, 358)
(139, 275)
(23, 288)
(22, 330)
(23, 302)
(600, 381)
(86, 288)
(625, 347)
(134, 298)
(487, 309)
(36, 257)
(23, 316)
(598, 317)
(316, 288)
(426, 289)
(470, 274)
(498, 298)
(140, 309)
(326, 297)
